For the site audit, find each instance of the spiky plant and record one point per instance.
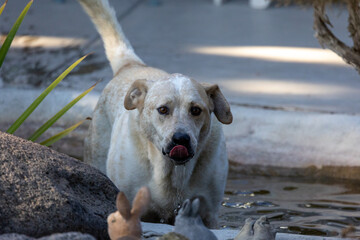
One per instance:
(3, 51)
(322, 27)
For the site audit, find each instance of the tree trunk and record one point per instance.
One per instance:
(326, 38)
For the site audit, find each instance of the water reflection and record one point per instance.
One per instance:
(292, 206)
(247, 204)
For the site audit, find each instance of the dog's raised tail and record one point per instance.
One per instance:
(118, 49)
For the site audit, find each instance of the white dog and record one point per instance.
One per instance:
(157, 129)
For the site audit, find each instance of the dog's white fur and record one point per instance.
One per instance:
(127, 134)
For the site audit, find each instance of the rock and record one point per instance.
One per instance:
(44, 192)
(15, 236)
(172, 236)
(68, 236)
(57, 236)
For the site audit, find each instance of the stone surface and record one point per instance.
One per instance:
(68, 236)
(155, 229)
(286, 236)
(15, 236)
(44, 192)
(56, 236)
(172, 236)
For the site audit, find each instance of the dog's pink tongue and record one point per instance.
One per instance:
(179, 151)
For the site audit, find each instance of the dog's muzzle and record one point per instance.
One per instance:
(179, 150)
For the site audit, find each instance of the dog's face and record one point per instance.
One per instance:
(175, 113)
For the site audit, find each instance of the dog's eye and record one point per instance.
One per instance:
(163, 110)
(195, 111)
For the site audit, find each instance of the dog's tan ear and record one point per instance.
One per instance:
(136, 95)
(221, 106)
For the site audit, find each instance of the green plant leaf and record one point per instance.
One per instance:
(3, 6)
(6, 45)
(38, 100)
(60, 135)
(58, 115)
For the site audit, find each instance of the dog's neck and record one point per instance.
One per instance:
(180, 176)
(165, 171)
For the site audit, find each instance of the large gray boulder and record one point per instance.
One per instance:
(56, 236)
(44, 192)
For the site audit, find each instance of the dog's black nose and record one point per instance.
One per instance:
(181, 138)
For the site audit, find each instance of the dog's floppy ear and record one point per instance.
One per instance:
(136, 94)
(221, 106)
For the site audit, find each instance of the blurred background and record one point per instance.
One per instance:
(281, 83)
(295, 104)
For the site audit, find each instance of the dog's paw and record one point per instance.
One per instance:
(256, 230)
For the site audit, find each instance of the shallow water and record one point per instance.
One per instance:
(293, 205)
